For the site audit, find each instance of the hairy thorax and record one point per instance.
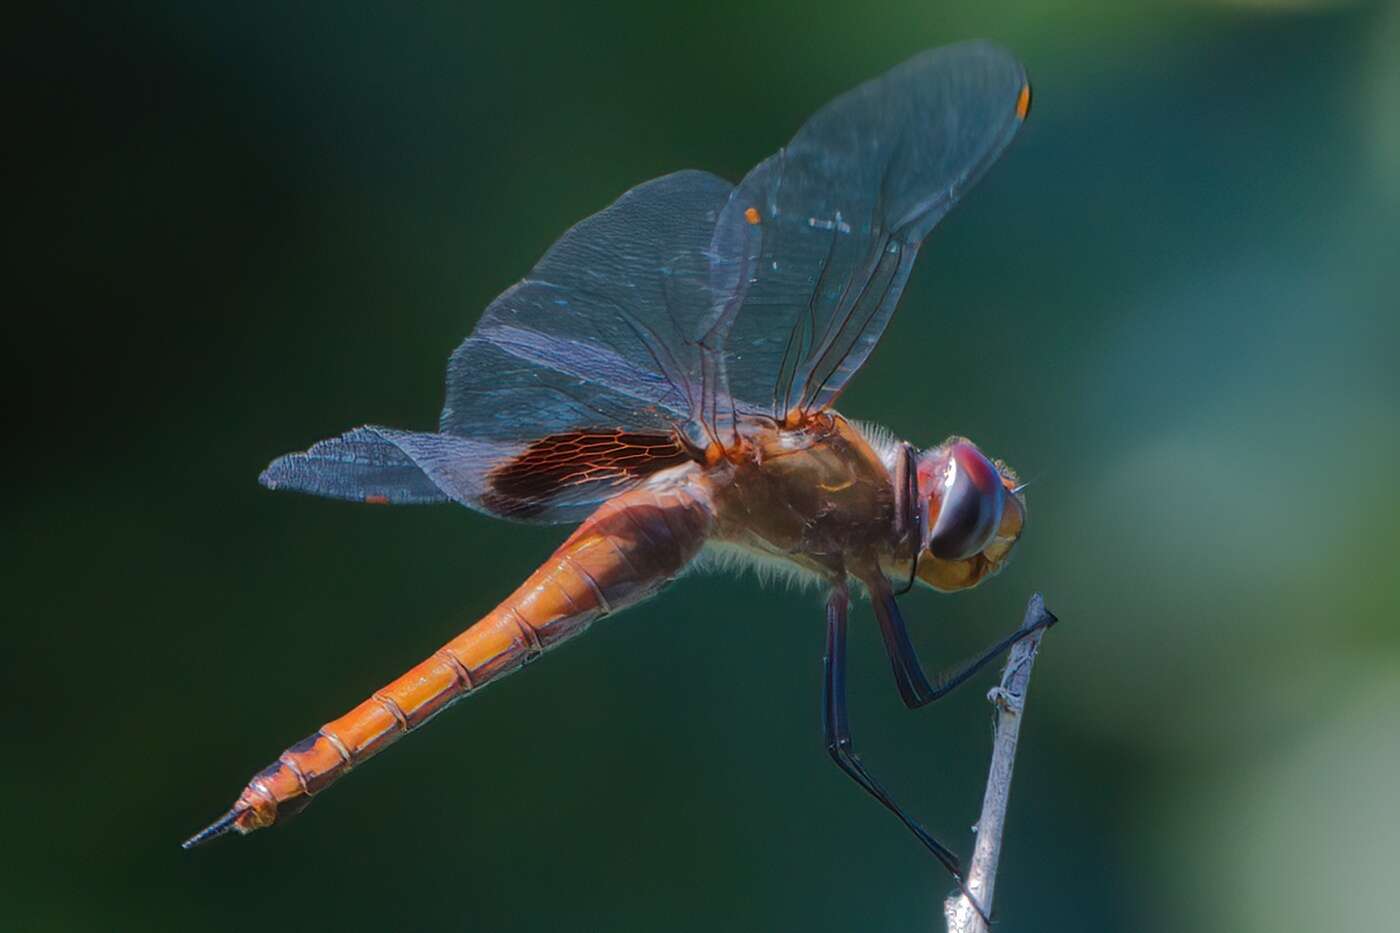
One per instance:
(817, 495)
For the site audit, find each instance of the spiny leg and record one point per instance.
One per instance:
(915, 688)
(840, 746)
(838, 731)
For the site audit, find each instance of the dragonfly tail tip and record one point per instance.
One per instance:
(215, 829)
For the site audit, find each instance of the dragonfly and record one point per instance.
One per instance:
(664, 379)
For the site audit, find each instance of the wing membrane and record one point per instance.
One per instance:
(548, 470)
(623, 350)
(363, 465)
(575, 384)
(607, 330)
(828, 228)
(557, 478)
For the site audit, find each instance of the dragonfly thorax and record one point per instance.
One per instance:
(818, 495)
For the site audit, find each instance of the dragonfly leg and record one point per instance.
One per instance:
(836, 725)
(914, 687)
(839, 745)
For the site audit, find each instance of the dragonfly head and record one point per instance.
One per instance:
(976, 509)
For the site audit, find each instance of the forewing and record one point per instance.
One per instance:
(828, 228)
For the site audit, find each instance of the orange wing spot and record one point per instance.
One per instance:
(752, 215)
(794, 418)
(377, 500)
(551, 464)
(1023, 103)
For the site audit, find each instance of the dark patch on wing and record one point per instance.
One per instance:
(527, 482)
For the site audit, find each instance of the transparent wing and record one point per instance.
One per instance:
(621, 353)
(828, 228)
(558, 478)
(363, 465)
(608, 330)
(595, 371)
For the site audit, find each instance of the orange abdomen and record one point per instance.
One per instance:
(623, 553)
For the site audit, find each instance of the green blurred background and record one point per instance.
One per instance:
(1172, 305)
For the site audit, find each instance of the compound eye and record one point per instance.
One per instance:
(970, 498)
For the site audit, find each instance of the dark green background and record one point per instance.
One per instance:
(1172, 305)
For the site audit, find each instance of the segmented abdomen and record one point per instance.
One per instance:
(626, 551)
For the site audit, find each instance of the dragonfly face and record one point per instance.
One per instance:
(976, 510)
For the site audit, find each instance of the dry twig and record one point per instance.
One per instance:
(1010, 699)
